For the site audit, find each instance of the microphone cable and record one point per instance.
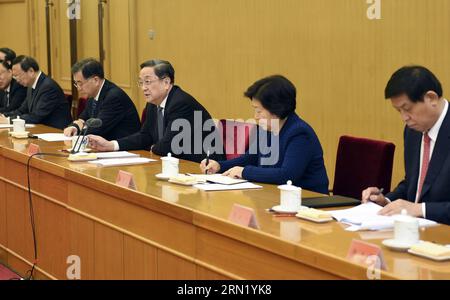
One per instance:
(30, 273)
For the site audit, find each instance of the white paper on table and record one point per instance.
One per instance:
(223, 187)
(365, 217)
(218, 178)
(116, 154)
(121, 161)
(53, 137)
(10, 126)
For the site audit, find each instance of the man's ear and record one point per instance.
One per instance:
(431, 97)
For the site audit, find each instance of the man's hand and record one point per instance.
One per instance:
(70, 131)
(212, 168)
(100, 144)
(4, 120)
(235, 172)
(396, 207)
(373, 194)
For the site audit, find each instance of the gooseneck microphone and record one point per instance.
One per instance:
(91, 123)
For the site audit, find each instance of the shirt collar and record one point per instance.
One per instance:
(434, 131)
(8, 89)
(36, 81)
(100, 90)
(163, 104)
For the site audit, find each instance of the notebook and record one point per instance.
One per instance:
(329, 201)
(218, 178)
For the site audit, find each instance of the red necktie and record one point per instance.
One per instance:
(425, 163)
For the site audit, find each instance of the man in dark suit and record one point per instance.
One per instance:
(425, 192)
(106, 101)
(174, 122)
(12, 94)
(45, 103)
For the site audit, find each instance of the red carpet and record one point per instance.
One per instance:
(7, 274)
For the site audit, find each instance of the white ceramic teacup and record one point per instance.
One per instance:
(170, 165)
(18, 125)
(290, 197)
(83, 141)
(406, 229)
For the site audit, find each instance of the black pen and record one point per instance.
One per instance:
(207, 162)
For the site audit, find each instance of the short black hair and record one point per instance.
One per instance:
(6, 64)
(276, 94)
(89, 67)
(414, 81)
(162, 68)
(26, 63)
(10, 55)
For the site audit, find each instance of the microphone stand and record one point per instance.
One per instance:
(83, 129)
(82, 138)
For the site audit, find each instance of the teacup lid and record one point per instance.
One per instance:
(404, 217)
(169, 158)
(18, 119)
(289, 187)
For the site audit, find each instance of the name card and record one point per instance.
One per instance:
(367, 254)
(33, 149)
(244, 216)
(125, 179)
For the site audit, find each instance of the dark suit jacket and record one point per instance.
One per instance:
(117, 112)
(17, 95)
(436, 187)
(179, 106)
(300, 158)
(45, 105)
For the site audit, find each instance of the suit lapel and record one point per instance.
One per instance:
(36, 91)
(440, 154)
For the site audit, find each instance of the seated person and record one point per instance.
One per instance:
(299, 153)
(106, 101)
(12, 94)
(45, 103)
(416, 93)
(174, 122)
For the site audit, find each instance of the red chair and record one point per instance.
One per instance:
(362, 163)
(82, 102)
(235, 137)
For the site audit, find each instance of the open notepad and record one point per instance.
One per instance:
(365, 217)
(218, 178)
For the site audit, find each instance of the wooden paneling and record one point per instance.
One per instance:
(139, 260)
(206, 274)
(13, 15)
(81, 231)
(171, 267)
(108, 253)
(3, 213)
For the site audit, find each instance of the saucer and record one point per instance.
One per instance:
(280, 209)
(314, 219)
(396, 246)
(19, 135)
(85, 150)
(161, 176)
(441, 258)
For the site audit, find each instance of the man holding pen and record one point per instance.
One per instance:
(425, 192)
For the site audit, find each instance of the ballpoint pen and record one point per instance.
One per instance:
(207, 162)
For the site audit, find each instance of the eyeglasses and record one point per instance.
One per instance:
(79, 84)
(18, 76)
(147, 82)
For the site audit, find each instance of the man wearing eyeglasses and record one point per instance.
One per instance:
(106, 101)
(167, 105)
(45, 103)
(12, 94)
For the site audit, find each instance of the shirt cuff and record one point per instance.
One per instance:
(424, 210)
(387, 199)
(116, 145)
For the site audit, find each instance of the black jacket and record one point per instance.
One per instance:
(17, 95)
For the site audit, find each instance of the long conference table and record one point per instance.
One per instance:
(167, 231)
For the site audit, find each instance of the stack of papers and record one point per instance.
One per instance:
(116, 154)
(365, 217)
(218, 178)
(109, 162)
(53, 137)
(223, 187)
(8, 126)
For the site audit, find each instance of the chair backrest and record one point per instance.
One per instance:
(235, 137)
(362, 163)
(81, 106)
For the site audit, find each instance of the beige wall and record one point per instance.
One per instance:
(338, 58)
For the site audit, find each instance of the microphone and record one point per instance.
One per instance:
(91, 123)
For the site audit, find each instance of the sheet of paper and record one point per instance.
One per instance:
(223, 187)
(8, 126)
(117, 154)
(218, 178)
(121, 161)
(365, 217)
(53, 137)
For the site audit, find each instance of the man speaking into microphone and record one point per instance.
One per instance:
(106, 102)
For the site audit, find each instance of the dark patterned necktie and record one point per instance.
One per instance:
(160, 119)
(94, 108)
